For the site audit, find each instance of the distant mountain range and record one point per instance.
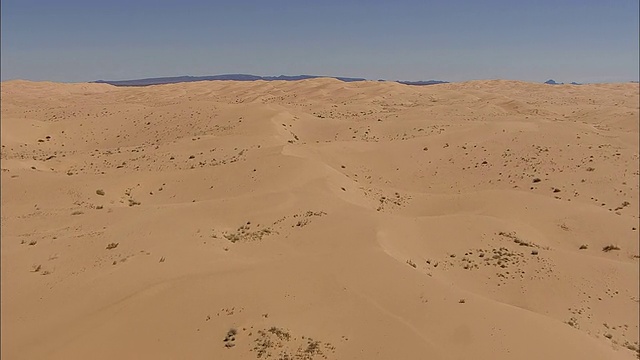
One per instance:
(248, 77)
(553, 82)
(241, 77)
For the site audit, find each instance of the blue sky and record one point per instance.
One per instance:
(567, 40)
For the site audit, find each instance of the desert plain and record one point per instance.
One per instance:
(319, 219)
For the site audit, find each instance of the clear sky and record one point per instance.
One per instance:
(534, 40)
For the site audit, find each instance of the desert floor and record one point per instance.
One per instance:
(320, 220)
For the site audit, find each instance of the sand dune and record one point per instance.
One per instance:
(318, 219)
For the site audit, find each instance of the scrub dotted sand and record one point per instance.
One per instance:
(320, 220)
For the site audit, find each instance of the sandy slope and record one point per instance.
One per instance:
(319, 219)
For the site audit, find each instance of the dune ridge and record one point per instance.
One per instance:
(319, 219)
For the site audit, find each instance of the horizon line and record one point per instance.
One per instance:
(308, 77)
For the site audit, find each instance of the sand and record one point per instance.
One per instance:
(320, 220)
